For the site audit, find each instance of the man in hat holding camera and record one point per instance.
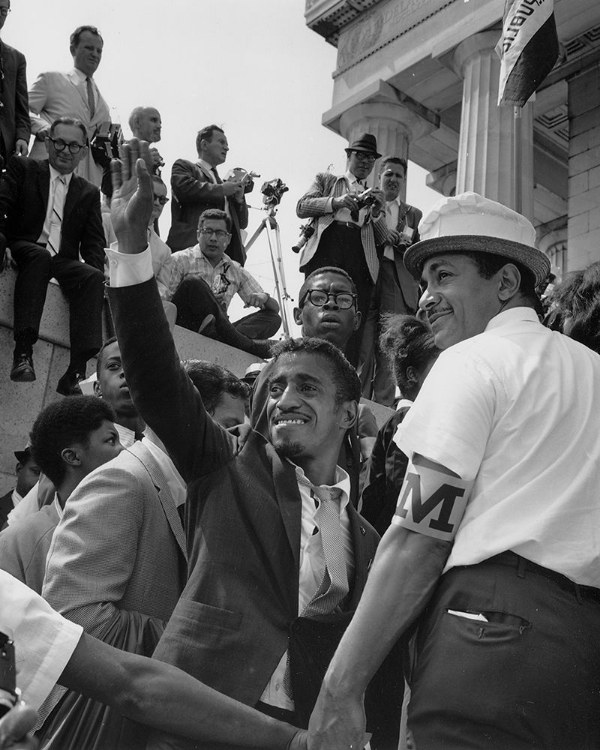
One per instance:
(349, 221)
(493, 551)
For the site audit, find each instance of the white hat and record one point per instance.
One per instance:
(471, 223)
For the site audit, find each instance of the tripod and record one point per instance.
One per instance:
(269, 223)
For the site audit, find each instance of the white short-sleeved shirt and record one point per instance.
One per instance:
(516, 410)
(44, 640)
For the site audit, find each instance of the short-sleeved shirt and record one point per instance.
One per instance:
(516, 410)
(227, 276)
(44, 641)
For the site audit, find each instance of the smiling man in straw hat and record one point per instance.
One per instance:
(493, 553)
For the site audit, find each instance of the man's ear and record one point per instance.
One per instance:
(357, 320)
(70, 457)
(509, 282)
(97, 389)
(298, 316)
(348, 414)
(411, 374)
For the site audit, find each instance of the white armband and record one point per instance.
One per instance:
(432, 502)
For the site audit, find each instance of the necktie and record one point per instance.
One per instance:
(90, 96)
(58, 202)
(218, 180)
(334, 585)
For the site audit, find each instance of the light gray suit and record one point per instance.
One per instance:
(55, 94)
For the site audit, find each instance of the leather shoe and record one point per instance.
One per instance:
(261, 347)
(22, 369)
(68, 385)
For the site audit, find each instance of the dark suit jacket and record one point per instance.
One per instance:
(24, 190)
(15, 122)
(243, 516)
(194, 192)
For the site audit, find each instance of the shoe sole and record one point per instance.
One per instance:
(27, 376)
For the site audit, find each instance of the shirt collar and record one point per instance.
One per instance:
(342, 482)
(225, 259)
(512, 315)
(352, 179)
(80, 74)
(16, 498)
(205, 165)
(54, 174)
(397, 200)
(126, 436)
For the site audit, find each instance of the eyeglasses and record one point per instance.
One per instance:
(319, 298)
(61, 145)
(361, 156)
(4, 11)
(220, 234)
(162, 199)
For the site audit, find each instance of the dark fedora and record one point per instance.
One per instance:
(23, 456)
(366, 143)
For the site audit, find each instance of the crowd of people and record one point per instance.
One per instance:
(189, 560)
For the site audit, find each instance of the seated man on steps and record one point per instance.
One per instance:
(202, 282)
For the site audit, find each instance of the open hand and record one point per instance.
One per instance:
(132, 199)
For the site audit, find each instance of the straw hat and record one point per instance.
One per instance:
(470, 222)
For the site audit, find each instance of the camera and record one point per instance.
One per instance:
(9, 695)
(272, 191)
(306, 232)
(105, 143)
(366, 198)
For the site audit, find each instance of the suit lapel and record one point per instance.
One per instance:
(166, 499)
(80, 86)
(363, 549)
(70, 198)
(44, 182)
(288, 499)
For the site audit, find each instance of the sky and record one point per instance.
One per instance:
(252, 67)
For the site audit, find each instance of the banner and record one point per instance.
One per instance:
(528, 48)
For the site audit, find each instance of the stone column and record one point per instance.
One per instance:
(487, 132)
(584, 168)
(392, 123)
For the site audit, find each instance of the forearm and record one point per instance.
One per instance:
(168, 699)
(404, 575)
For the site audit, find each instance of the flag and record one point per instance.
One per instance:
(528, 48)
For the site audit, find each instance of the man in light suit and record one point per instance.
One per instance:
(73, 94)
(49, 217)
(396, 290)
(197, 186)
(15, 127)
(255, 544)
(347, 230)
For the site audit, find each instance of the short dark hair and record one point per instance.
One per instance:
(407, 342)
(61, 424)
(212, 381)
(318, 272)
(393, 160)
(69, 121)
(100, 354)
(215, 214)
(578, 298)
(76, 35)
(345, 378)
(206, 134)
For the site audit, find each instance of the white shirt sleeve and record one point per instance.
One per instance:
(44, 641)
(128, 269)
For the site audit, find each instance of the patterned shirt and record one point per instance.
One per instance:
(225, 279)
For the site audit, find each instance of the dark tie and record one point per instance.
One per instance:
(138, 435)
(216, 174)
(90, 96)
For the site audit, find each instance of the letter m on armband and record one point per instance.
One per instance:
(432, 503)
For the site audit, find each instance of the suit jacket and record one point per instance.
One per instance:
(243, 519)
(119, 547)
(57, 94)
(193, 192)
(14, 123)
(408, 216)
(314, 204)
(24, 190)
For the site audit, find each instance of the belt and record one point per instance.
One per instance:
(348, 224)
(524, 566)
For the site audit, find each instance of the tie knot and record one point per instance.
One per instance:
(326, 493)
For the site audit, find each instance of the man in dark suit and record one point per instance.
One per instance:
(49, 217)
(28, 473)
(396, 291)
(197, 186)
(15, 127)
(259, 561)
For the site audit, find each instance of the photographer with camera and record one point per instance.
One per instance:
(349, 223)
(198, 186)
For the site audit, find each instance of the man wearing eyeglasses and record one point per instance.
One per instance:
(348, 224)
(49, 217)
(202, 282)
(15, 127)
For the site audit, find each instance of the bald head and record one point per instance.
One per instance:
(145, 124)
